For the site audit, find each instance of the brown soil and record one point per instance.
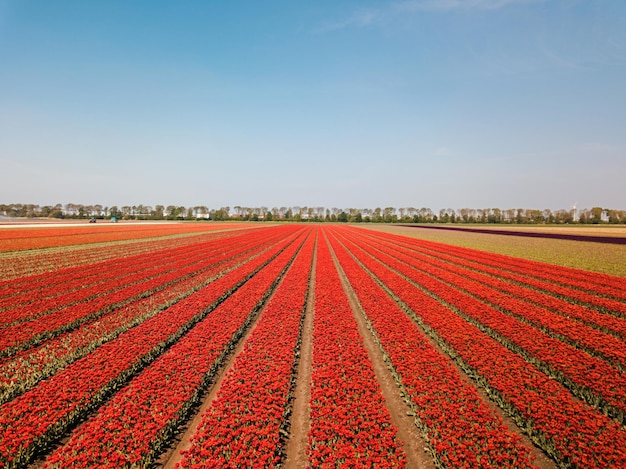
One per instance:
(183, 440)
(409, 435)
(407, 431)
(296, 450)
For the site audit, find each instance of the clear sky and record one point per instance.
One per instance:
(407, 103)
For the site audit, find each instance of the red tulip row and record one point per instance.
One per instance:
(505, 296)
(131, 428)
(247, 421)
(72, 293)
(607, 323)
(38, 417)
(24, 369)
(460, 427)
(594, 282)
(24, 335)
(508, 296)
(43, 293)
(570, 431)
(350, 425)
(555, 279)
(589, 377)
(19, 239)
(36, 292)
(20, 267)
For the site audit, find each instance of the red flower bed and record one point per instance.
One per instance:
(27, 289)
(38, 417)
(591, 282)
(459, 426)
(350, 425)
(245, 420)
(19, 267)
(24, 369)
(514, 286)
(143, 414)
(570, 431)
(118, 293)
(592, 378)
(20, 239)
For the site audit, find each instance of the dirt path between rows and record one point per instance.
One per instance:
(182, 441)
(409, 435)
(296, 450)
(398, 408)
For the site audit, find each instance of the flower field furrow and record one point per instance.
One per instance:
(144, 413)
(112, 336)
(460, 427)
(488, 289)
(65, 288)
(55, 283)
(572, 432)
(606, 305)
(70, 286)
(350, 425)
(533, 271)
(22, 335)
(18, 268)
(21, 371)
(19, 239)
(589, 377)
(606, 323)
(247, 420)
(38, 417)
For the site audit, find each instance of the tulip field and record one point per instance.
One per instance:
(301, 345)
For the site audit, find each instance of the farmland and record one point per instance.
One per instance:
(294, 345)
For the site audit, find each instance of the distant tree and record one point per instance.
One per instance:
(617, 216)
(596, 215)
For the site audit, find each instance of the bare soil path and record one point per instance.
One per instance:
(182, 441)
(408, 432)
(296, 451)
(409, 435)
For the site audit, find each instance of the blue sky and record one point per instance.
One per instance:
(422, 103)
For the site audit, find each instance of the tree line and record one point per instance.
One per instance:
(595, 215)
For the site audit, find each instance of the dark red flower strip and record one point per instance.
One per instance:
(38, 417)
(571, 431)
(24, 369)
(591, 377)
(350, 425)
(132, 426)
(460, 427)
(244, 422)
